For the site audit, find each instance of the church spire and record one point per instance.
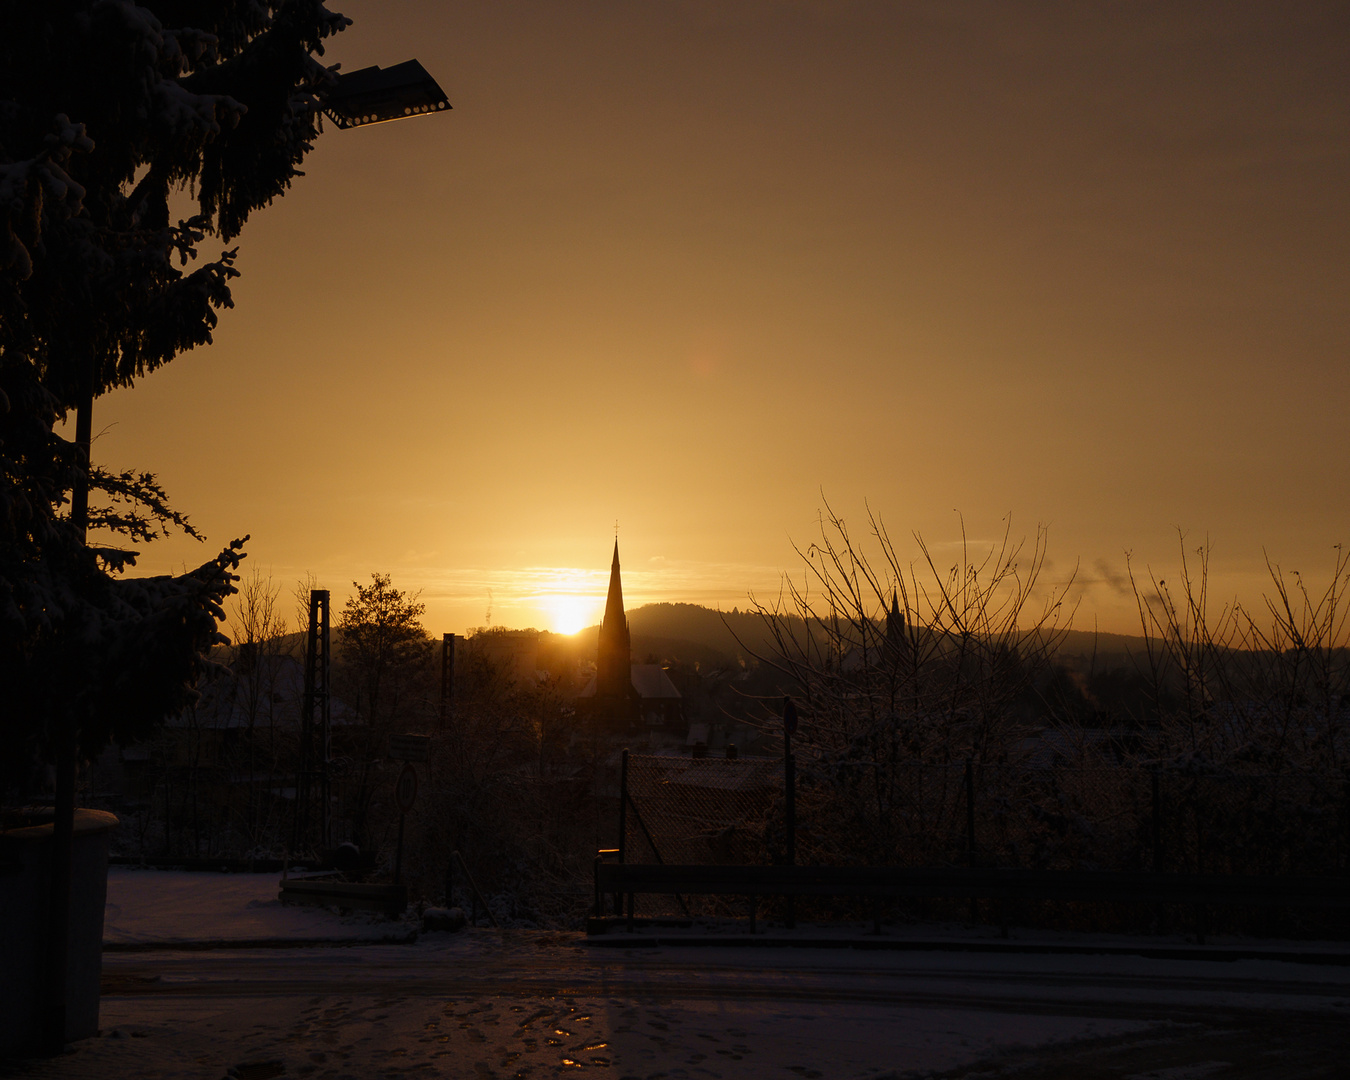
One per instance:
(895, 623)
(614, 602)
(614, 655)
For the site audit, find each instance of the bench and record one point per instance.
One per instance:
(994, 883)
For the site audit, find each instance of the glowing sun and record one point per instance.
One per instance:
(570, 613)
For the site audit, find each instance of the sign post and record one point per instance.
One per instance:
(410, 747)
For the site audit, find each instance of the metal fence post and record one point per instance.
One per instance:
(623, 832)
(970, 831)
(1200, 835)
(623, 807)
(1345, 852)
(1157, 822)
(970, 812)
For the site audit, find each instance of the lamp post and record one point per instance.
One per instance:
(370, 95)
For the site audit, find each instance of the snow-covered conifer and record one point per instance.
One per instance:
(112, 114)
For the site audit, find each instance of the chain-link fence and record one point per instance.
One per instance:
(698, 810)
(1144, 819)
(717, 810)
(693, 810)
(1123, 818)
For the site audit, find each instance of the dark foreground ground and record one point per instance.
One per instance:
(522, 1004)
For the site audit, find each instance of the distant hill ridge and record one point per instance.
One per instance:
(690, 631)
(730, 632)
(726, 639)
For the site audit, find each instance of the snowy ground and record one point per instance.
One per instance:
(485, 1003)
(167, 907)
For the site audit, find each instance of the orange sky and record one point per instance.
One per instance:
(690, 264)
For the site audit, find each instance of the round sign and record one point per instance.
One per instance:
(405, 791)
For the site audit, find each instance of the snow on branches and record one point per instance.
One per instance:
(36, 187)
(110, 111)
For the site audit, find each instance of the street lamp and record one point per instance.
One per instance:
(371, 95)
(368, 96)
(374, 95)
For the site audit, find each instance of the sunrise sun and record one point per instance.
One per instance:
(568, 614)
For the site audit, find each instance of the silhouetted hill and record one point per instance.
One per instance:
(732, 634)
(691, 632)
(1083, 649)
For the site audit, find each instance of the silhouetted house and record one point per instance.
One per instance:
(623, 695)
(659, 702)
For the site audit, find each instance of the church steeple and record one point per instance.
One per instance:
(613, 657)
(895, 624)
(614, 602)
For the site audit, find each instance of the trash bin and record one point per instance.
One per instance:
(25, 882)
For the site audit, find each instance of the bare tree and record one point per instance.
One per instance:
(1305, 687)
(937, 658)
(896, 663)
(383, 673)
(1253, 690)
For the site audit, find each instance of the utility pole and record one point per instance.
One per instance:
(447, 711)
(315, 723)
(66, 752)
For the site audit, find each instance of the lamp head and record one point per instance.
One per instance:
(374, 95)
